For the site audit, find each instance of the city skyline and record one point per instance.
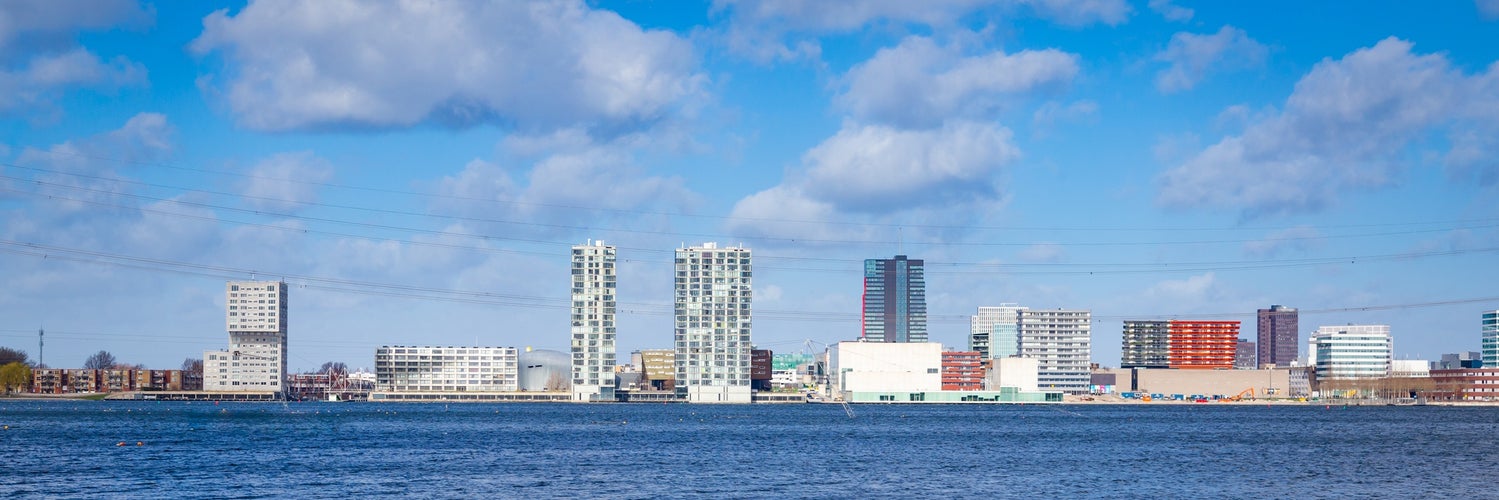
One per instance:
(1140, 160)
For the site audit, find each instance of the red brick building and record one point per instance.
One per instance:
(1464, 384)
(962, 371)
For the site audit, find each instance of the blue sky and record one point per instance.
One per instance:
(417, 171)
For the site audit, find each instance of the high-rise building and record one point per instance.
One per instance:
(1146, 344)
(712, 328)
(593, 280)
(995, 332)
(255, 314)
(1278, 338)
(1491, 339)
(894, 300)
(1351, 352)
(1203, 345)
(1061, 343)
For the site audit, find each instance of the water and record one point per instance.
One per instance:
(324, 450)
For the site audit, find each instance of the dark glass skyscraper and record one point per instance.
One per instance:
(894, 300)
(1278, 338)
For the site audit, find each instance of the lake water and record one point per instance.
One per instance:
(314, 450)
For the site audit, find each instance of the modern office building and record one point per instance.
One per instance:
(427, 369)
(1278, 338)
(1244, 356)
(995, 331)
(1491, 339)
(894, 300)
(1351, 352)
(593, 309)
(544, 370)
(255, 316)
(1146, 344)
(1061, 343)
(1203, 345)
(712, 326)
(659, 367)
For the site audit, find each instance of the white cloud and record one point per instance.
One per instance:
(1170, 11)
(769, 30)
(40, 59)
(882, 172)
(919, 83)
(1298, 239)
(1053, 113)
(1189, 57)
(286, 182)
(1043, 252)
(1342, 128)
(1489, 8)
(529, 65)
(1197, 288)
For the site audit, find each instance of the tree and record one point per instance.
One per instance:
(334, 368)
(101, 360)
(8, 356)
(14, 376)
(192, 365)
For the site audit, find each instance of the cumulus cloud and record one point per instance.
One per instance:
(40, 58)
(583, 183)
(1299, 238)
(1341, 128)
(286, 182)
(1170, 11)
(527, 65)
(1190, 56)
(881, 170)
(919, 83)
(769, 30)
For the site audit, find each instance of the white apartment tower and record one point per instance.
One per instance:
(593, 274)
(1061, 343)
(995, 331)
(1351, 352)
(712, 327)
(256, 358)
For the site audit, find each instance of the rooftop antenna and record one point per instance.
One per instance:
(900, 240)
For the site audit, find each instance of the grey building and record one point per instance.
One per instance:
(894, 300)
(1146, 344)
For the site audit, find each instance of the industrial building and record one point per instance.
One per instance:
(907, 372)
(428, 369)
(995, 331)
(894, 300)
(712, 326)
(1019, 373)
(1274, 383)
(593, 310)
(1060, 340)
(256, 317)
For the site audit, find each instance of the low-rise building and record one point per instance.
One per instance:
(403, 369)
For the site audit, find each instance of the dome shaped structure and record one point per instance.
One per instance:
(545, 370)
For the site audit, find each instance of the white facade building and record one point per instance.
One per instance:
(1351, 352)
(995, 331)
(593, 308)
(1022, 373)
(256, 319)
(712, 325)
(1410, 368)
(1060, 340)
(884, 367)
(446, 369)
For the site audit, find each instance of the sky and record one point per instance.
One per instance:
(417, 171)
